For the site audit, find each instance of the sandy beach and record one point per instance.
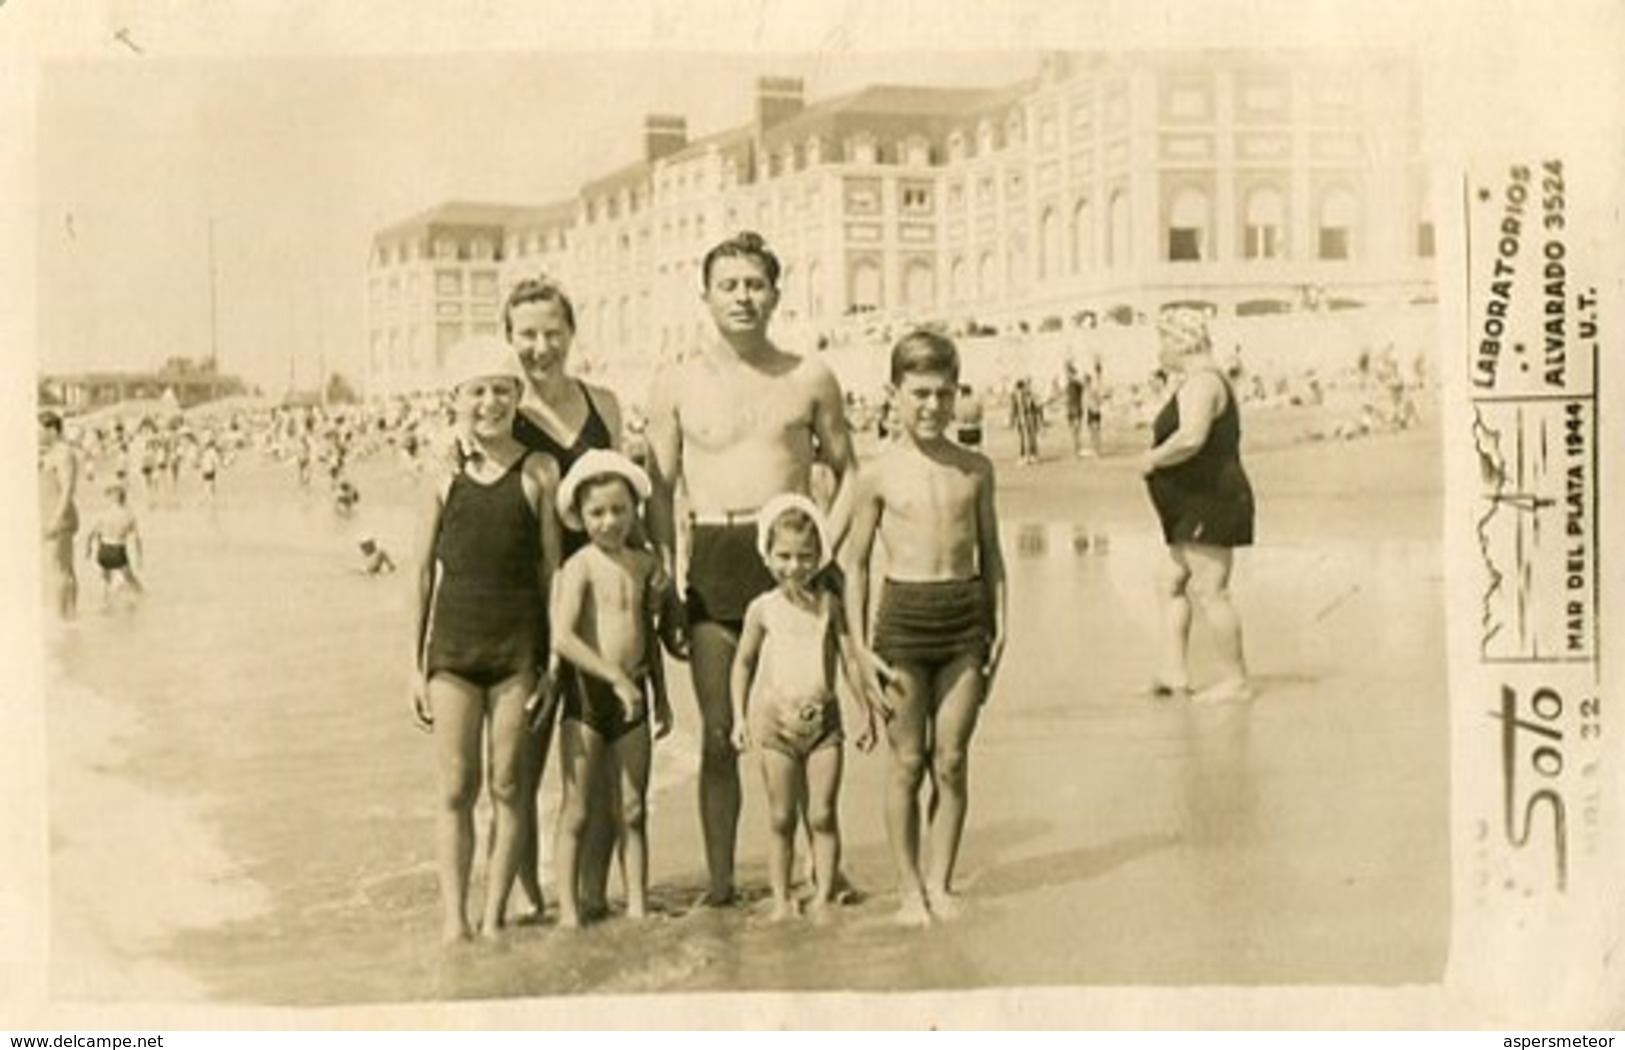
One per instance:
(250, 769)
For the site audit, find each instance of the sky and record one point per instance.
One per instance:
(295, 162)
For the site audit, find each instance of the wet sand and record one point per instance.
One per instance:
(253, 770)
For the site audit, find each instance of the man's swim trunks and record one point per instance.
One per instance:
(111, 556)
(591, 701)
(725, 573)
(931, 624)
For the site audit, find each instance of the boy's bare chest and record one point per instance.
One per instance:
(934, 492)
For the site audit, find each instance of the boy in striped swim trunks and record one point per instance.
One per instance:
(938, 633)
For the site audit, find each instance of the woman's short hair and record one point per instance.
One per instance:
(746, 244)
(1185, 329)
(536, 290)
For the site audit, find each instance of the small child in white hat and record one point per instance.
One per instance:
(611, 679)
(784, 698)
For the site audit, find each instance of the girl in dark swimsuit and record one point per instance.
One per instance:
(487, 547)
(1204, 502)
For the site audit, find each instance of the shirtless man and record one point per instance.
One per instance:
(737, 425)
(59, 517)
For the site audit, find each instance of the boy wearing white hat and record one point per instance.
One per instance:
(486, 549)
(612, 679)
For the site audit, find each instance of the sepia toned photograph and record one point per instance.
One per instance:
(528, 525)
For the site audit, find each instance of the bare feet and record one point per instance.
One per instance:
(944, 904)
(455, 931)
(569, 920)
(637, 910)
(821, 911)
(714, 898)
(913, 911)
(783, 910)
(1230, 691)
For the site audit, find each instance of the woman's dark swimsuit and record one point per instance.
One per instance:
(594, 434)
(1206, 499)
(487, 619)
(112, 556)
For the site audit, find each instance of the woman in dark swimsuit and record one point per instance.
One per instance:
(563, 417)
(1204, 502)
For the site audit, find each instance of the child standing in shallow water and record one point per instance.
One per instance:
(487, 545)
(938, 633)
(784, 700)
(607, 596)
(115, 543)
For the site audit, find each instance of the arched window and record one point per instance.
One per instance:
(1265, 233)
(958, 278)
(1335, 229)
(1187, 226)
(919, 285)
(984, 138)
(1082, 235)
(956, 145)
(986, 276)
(1049, 244)
(1016, 264)
(1117, 232)
(866, 288)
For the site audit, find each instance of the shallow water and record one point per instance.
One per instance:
(257, 697)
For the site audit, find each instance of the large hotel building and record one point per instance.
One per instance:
(1254, 182)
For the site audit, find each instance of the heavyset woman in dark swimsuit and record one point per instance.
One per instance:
(1204, 502)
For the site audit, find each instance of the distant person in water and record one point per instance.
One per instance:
(375, 560)
(114, 544)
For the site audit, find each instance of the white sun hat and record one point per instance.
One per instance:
(596, 463)
(481, 357)
(776, 507)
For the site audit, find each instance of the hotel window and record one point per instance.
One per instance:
(956, 195)
(1264, 233)
(1424, 240)
(984, 190)
(445, 248)
(1048, 136)
(1335, 233)
(862, 197)
(1117, 230)
(1082, 117)
(1012, 130)
(916, 151)
(1187, 226)
(480, 250)
(1263, 97)
(1188, 100)
(916, 199)
(956, 145)
(984, 138)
